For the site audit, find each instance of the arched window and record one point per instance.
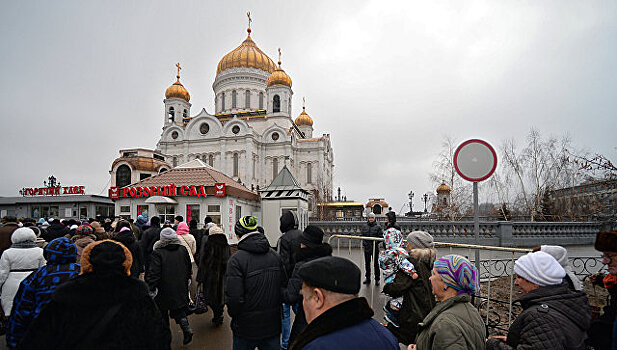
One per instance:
(254, 168)
(211, 160)
(123, 175)
(261, 100)
(247, 99)
(275, 167)
(276, 104)
(174, 162)
(222, 101)
(235, 164)
(205, 157)
(172, 114)
(185, 114)
(234, 97)
(309, 173)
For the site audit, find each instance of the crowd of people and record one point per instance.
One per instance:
(115, 284)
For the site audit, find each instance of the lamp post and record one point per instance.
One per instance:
(410, 195)
(425, 197)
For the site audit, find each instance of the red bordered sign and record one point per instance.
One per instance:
(219, 190)
(475, 160)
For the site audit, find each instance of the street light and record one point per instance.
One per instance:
(425, 197)
(410, 202)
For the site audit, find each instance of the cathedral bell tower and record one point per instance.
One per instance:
(278, 92)
(305, 122)
(177, 106)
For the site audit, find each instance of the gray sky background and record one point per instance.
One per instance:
(388, 80)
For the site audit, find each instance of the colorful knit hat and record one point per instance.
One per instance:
(245, 225)
(457, 272)
(84, 230)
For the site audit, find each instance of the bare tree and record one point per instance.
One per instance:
(444, 170)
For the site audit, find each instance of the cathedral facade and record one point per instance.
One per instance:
(252, 134)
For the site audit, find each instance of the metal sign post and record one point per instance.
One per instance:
(475, 160)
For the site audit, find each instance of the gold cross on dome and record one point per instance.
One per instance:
(179, 68)
(279, 56)
(303, 102)
(248, 14)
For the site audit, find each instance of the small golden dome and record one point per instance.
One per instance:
(247, 55)
(278, 77)
(177, 90)
(443, 187)
(304, 119)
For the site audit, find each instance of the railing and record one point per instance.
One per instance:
(489, 270)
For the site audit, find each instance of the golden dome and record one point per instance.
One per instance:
(443, 187)
(278, 77)
(247, 55)
(177, 90)
(303, 119)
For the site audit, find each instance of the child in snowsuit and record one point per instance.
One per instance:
(391, 260)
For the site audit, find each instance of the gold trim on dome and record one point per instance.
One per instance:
(247, 55)
(177, 90)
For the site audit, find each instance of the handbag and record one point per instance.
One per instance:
(201, 306)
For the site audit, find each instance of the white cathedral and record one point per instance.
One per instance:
(252, 134)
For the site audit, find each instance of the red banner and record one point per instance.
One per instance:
(167, 191)
(219, 190)
(54, 191)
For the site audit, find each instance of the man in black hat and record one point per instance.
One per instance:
(605, 325)
(337, 318)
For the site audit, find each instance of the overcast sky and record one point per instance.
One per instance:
(388, 80)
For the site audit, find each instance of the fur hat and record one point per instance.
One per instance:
(606, 241)
(106, 255)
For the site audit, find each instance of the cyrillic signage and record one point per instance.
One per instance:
(54, 191)
(166, 191)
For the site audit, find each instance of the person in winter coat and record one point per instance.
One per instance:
(337, 318)
(602, 331)
(196, 233)
(211, 272)
(102, 308)
(35, 291)
(253, 289)
(202, 237)
(418, 300)
(55, 230)
(371, 248)
(31, 224)
(311, 248)
(83, 236)
(391, 220)
(169, 276)
(141, 221)
(187, 239)
(127, 237)
(99, 231)
(9, 225)
(148, 238)
(454, 323)
(287, 247)
(17, 263)
(553, 317)
(561, 255)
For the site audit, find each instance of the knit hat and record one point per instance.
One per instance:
(420, 239)
(606, 241)
(561, 255)
(457, 272)
(60, 251)
(371, 215)
(106, 256)
(183, 228)
(84, 230)
(312, 236)
(332, 273)
(245, 225)
(168, 233)
(215, 230)
(23, 234)
(539, 268)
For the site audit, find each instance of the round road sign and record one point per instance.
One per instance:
(475, 160)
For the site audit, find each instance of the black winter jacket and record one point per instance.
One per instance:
(553, 317)
(170, 272)
(148, 238)
(291, 294)
(128, 239)
(253, 289)
(371, 229)
(418, 300)
(289, 243)
(78, 305)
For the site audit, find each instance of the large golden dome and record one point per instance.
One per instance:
(247, 55)
(304, 119)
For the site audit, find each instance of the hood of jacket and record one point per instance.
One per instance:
(23, 234)
(183, 229)
(170, 244)
(310, 253)
(100, 289)
(572, 304)
(254, 242)
(125, 237)
(393, 238)
(60, 251)
(289, 221)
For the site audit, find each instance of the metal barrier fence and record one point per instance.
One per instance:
(490, 269)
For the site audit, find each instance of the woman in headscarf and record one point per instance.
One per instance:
(454, 323)
(17, 262)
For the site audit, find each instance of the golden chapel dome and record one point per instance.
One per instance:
(177, 90)
(278, 77)
(304, 119)
(247, 55)
(443, 187)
